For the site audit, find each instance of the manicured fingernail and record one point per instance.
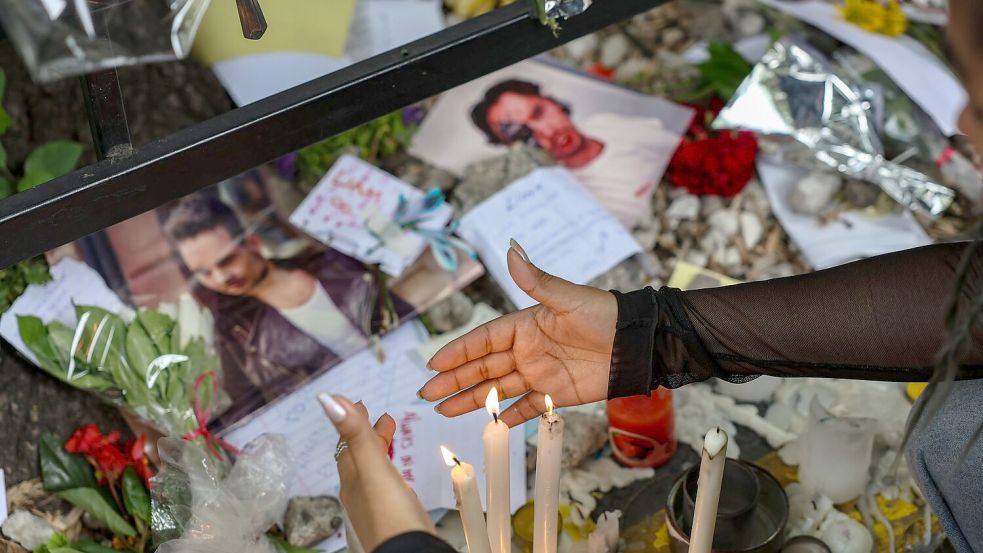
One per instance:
(419, 393)
(518, 249)
(436, 409)
(332, 408)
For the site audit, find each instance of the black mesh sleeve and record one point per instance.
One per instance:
(881, 318)
(414, 542)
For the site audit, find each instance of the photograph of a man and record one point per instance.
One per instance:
(277, 322)
(615, 141)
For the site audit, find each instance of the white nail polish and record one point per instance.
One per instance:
(332, 408)
(515, 246)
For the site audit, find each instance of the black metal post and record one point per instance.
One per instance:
(113, 190)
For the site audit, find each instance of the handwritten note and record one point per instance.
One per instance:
(354, 192)
(73, 282)
(387, 386)
(565, 231)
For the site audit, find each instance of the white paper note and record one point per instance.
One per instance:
(381, 25)
(389, 386)
(916, 71)
(560, 225)
(3, 498)
(353, 193)
(854, 235)
(73, 282)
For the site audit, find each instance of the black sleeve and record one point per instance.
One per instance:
(881, 318)
(415, 542)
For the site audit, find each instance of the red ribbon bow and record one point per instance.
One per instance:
(212, 442)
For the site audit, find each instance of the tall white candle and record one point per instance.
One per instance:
(468, 503)
(549, 449)
(496, 440)
(708, 491)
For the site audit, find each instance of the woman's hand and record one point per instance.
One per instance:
(379, 503)
(561, 347)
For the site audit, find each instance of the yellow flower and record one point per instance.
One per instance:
(874, 16)
(895, 22)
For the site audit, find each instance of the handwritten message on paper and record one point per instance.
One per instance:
(387, 386)
(561, 226)
(351, 193)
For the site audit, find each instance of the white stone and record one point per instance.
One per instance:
(673, 36)
(730, 258)
(614, 49)
(751, 229)
(646, 237)
(710, 204)
(844, 535)
(684, 207)
(713, 240)
(582, 47)
(749, 24)
(725, 222)
(631, 67)
(29, 530)
(698, 258)
(814, 192)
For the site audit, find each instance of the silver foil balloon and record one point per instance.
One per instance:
(805, 114)
(564, 9)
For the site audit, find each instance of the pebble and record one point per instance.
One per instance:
(631, 68)
(861, 194)
(672, 36)
(582, 47)
(684, 207)
(439, 178)
(710, 205)
(814, 192)
(750, 24)
(451, 313)
(28, 530)
(751, 229)
(311, 520)
(698, 258)
(614, 49)
(724, 221)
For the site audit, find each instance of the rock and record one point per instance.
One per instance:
(710, 205)
(779, 270)
(672, 36)
(713, 241)
(582, 47)
(647, 237)
(751, 229)
(698, 258)
(451, 313)
(584, 434)
(11, 547)
(730, 259)
(311, 520)
(631, 67)
(684, 207)
(28, 530)
(814, 192)
(725, 222)
(625, 277)
(439, 178)
(755, 198)
(861, 194)
(614, 49)
(750, 24)
(484, 178)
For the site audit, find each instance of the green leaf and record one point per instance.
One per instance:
(92, 501)
(89, 546)
(283, 546)
(140, 350)
(32, 179)
(54, 158)
(35, 271)
(4, 116)
(6, 187)
(35, 336)
(61, 470)
(3, 151)
(159, 328)
(135, 495)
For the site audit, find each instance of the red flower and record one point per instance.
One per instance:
(106, 456)
(602, 71)
(139, 459)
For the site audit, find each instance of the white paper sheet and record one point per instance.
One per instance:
(377, 26)
(3, 498)
(561, 226)
(335, 213)
(389, 386)
(73, 282)
(920, 74)
(853, 236)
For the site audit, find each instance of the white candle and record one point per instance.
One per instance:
(496, 440)
(468, 503)
(549, 449)
(708, 491)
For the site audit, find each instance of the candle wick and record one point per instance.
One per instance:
(456, 460)
(495, 416)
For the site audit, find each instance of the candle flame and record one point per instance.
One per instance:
(491, 403)
(449, 457)
(549, 405)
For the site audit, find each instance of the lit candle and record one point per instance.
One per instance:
(549, 448)
(468, 503)
(496, 439)
(708, 491)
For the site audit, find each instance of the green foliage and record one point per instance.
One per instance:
(374, 140)
(721, 74)
(57, 544)
(283, 546)
(136, 498)
(97, 503)
(14, 280)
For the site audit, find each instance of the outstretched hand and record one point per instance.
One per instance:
(561, 347)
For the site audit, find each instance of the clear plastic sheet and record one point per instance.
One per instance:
(62, 38)
(807, 114)
(203, 504)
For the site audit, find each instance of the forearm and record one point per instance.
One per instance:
(878, 319)
(415, 542)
